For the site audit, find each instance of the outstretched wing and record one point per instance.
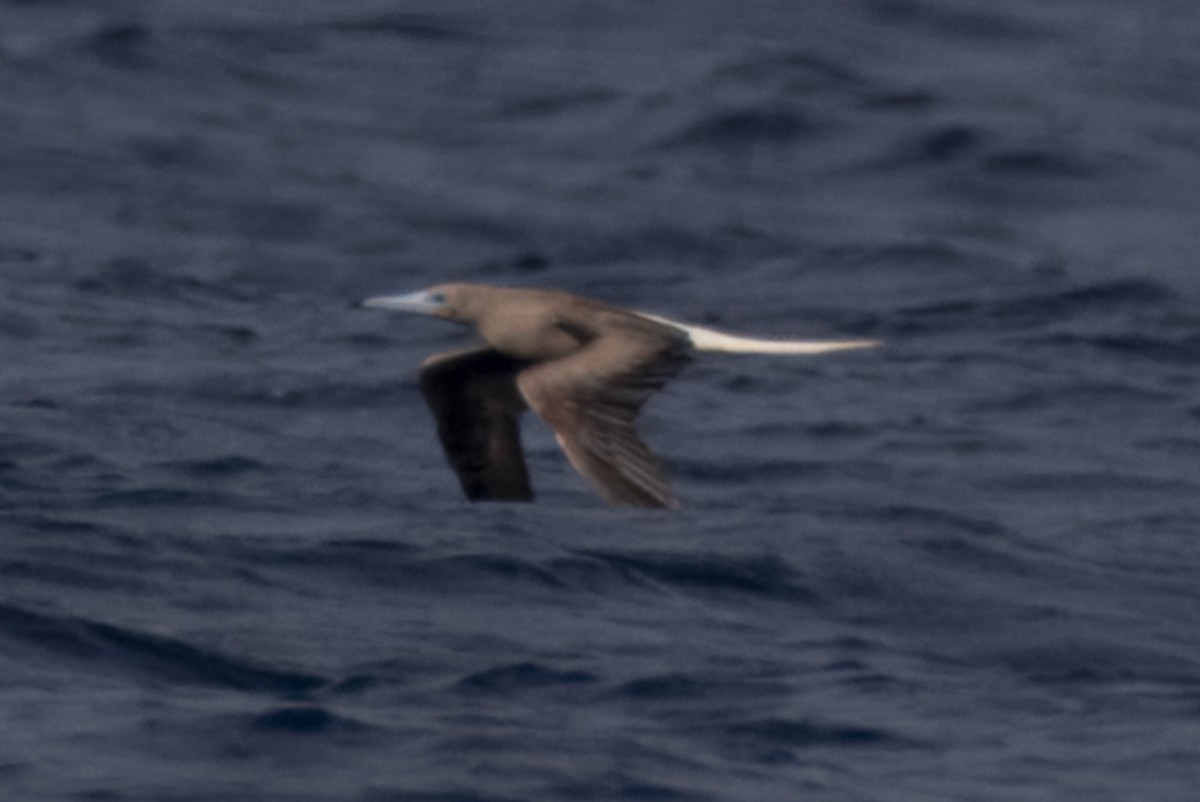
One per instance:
(592, 397)
(473, 395)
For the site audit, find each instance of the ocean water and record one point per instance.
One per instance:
(965, 566)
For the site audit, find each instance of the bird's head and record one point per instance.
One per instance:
(446, 301)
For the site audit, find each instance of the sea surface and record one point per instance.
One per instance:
(234, 564)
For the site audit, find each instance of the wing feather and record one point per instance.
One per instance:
(473, 394)
(592, 398)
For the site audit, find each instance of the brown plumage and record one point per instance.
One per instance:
(585, 367)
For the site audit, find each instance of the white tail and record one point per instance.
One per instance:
(708, 340)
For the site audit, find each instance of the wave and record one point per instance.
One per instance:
(93, 645)
(740, 128)
(1105, 298)
(516, 677)
(759, 575)
(774, 733)
(305, 718)
(133, 278)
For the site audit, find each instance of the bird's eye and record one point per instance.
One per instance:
(436, 298)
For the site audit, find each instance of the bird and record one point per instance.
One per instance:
(582, 365)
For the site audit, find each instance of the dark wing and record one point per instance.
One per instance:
(473, 395)
(592, 397)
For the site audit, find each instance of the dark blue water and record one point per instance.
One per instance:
(233, 562)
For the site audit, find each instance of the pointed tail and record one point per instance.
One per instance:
(708, 340)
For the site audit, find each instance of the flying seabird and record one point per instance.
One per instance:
(583, 366)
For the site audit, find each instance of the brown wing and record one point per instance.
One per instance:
(592, 397)
(473, 395)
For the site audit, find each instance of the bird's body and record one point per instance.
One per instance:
(585, 367)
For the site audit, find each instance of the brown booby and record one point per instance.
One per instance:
(583, 366)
